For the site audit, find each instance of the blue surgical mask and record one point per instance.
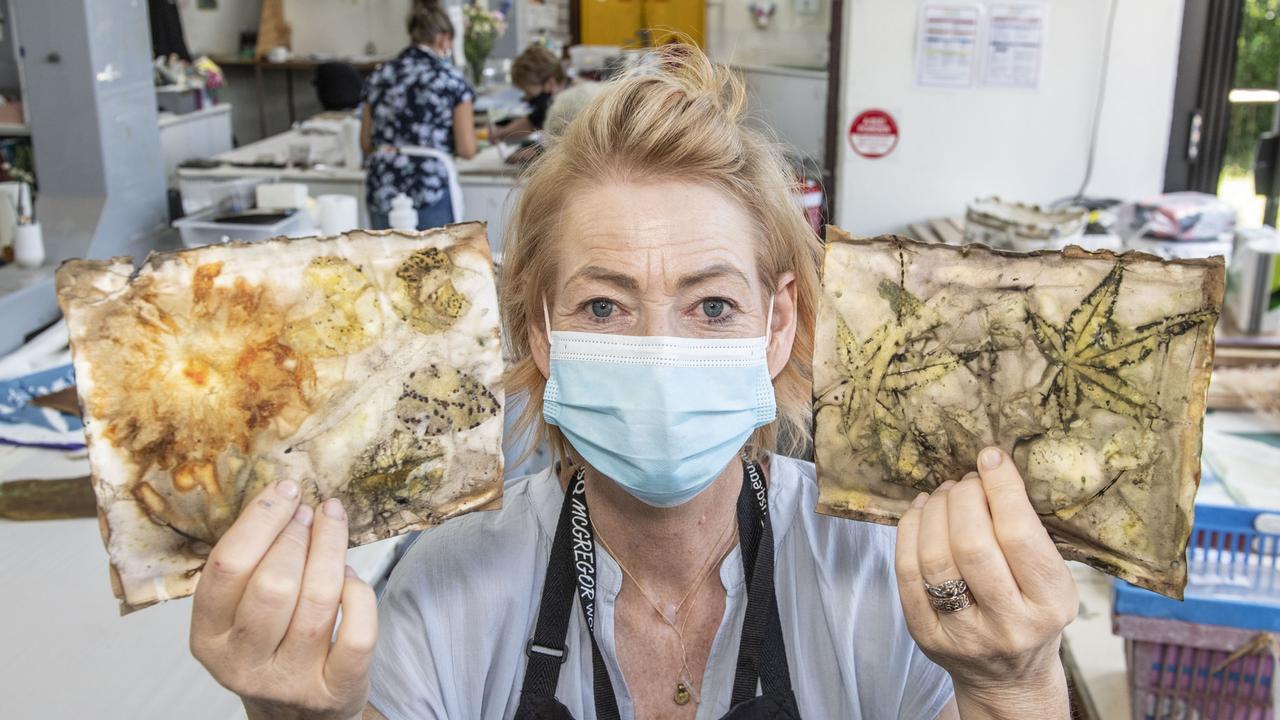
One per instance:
(660, 416)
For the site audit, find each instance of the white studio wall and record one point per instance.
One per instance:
(344, 28)
(1029, 145)
(332, 27)
(217, 31)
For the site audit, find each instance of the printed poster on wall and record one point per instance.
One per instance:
(1014, 54)
(947, 44)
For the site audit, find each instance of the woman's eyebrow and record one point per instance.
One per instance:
(612, 277)
(712, 272)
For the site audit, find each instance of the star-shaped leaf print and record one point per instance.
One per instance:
(897, 357)
(1088, 352)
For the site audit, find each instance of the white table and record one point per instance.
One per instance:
(326, 176)
(487, 180)
(65, 651)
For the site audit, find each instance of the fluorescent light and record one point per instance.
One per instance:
(1242, 95)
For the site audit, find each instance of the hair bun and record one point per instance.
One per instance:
(690, 72)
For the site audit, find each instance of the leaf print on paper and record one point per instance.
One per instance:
(1087, 353)
(897, 358)
(1089, 369)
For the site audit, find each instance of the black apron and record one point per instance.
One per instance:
(762, 655)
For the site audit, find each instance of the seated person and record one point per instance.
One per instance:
(539, 75)
(338, 86)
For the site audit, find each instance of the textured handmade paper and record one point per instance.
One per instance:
(365, 367)
(1090, 369)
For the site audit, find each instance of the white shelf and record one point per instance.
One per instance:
(15, 130)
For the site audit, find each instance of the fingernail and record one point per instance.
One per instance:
(990, 458)
(946, 486)
(920, 500)
(333, 508)
(287, 488)
(304, 515)
(969, 476)
(351, 572)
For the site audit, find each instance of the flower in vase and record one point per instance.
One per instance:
(483, 28)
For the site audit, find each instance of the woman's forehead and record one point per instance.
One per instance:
(655, 227)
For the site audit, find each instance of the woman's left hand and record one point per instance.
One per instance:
(1002, 650)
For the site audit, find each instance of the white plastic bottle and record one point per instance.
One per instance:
(403, 215)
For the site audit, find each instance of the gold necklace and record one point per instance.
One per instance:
(684, 691)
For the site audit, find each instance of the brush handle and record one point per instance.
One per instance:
(47, 499)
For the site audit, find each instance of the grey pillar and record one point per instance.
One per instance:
(91, 103)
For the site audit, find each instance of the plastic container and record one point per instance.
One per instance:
(1026, 228)
(1233, 569)
(1253, 280)
(403, 216)
(338, 213)
(214, 225)
(1185, 670)
(1177, 652)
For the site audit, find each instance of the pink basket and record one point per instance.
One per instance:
(1171, 671)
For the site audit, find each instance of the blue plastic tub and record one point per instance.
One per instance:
(1233, 566)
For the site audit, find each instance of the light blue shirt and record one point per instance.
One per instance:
(462, 604)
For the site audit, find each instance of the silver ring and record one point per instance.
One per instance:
(949, 596)
(952, 604)
(947, 589)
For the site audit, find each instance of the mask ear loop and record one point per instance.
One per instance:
(546, 317)
(768, 323)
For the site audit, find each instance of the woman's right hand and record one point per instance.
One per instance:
(266, 605)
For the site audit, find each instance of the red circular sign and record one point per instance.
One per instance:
(873, 134)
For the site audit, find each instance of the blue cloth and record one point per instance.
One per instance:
(25, 424)
(411, 101)
(459, 608)
(433, 216)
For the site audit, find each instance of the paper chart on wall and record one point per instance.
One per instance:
(947, 44)
(1014, 47)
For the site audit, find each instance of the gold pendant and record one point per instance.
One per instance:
(682, 695)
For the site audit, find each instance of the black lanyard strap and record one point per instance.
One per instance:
(756, 538)
(761, 653)
(546, 649)
(572, 564)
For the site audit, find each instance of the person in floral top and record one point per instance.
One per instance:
(417, 100)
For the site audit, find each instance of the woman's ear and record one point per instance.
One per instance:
(782, 331)
(540, 345)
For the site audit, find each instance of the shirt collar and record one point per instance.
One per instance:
(417, 53)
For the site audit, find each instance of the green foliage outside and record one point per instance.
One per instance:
(1257, 66)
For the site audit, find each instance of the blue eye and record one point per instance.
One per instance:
(601, 308)
(713, 307)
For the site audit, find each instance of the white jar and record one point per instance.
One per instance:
(28, 245)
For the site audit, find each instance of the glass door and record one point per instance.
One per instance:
(1252, 103)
